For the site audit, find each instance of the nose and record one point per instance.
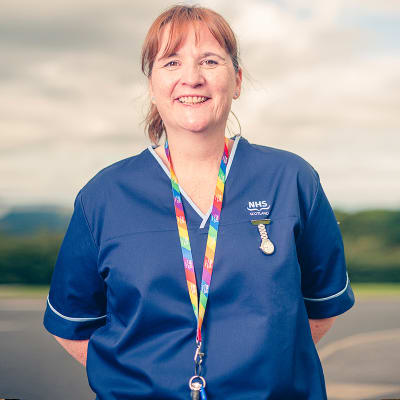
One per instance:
(192, 75)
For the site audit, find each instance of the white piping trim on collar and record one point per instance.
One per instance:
(70, 318)
(228, 167)
(166, 170)
(334, 295)
(204, 217)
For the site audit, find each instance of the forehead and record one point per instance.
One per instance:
(172, 38)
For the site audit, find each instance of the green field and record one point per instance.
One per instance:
(23, 291)
(376, 289)
(361, 290)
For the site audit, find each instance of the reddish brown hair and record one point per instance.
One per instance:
(179, 17)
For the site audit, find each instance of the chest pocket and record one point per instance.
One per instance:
(240, 263)
(245, 238)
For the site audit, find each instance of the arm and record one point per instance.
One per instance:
(76, 348)
(319, 327)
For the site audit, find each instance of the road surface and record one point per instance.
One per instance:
(360, 354)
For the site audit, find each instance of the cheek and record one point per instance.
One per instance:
(161, 85)
(223, 105)
(223, 89)
(224, 85)
(161, 90)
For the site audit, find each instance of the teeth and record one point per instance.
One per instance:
(192, 99)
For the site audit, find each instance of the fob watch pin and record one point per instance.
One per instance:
(266, 246)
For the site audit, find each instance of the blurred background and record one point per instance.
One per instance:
(321, 79)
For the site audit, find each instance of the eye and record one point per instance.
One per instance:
(210, 63)
(171, 64)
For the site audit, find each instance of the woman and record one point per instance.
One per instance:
(126, 282)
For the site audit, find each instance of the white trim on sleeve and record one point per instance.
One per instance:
(70, 318)
(334, 295)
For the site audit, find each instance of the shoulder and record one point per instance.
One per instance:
(284, 161)
(106, 179)
(285, 172)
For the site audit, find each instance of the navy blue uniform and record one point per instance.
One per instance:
(119, 281)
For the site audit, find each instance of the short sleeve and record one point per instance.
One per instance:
(324, 280)
(76, 303)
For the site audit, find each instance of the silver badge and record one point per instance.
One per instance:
(267, 247)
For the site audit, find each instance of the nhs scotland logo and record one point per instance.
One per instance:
(259, 207)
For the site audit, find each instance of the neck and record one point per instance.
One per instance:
(197, 150)
(196, 166)
(194, 156)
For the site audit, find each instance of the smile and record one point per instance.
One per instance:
(192, 100)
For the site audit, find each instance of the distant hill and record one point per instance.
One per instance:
(29, 220)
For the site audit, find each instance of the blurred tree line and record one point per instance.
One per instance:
(371, 240)
(372, 244)
(28, 259)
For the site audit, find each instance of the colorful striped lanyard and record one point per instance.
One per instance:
(211, 239)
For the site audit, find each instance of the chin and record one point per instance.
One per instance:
(197, 126)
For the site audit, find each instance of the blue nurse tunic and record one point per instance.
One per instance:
(119, 281)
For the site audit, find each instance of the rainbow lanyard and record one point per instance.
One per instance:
(211, 239)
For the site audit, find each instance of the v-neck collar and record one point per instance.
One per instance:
(204, 217)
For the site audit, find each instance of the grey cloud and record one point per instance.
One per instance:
(72, 72)
(58, 34)
(75, 26)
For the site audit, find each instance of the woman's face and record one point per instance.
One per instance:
(194, 87)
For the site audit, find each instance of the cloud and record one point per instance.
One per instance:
(322, 82)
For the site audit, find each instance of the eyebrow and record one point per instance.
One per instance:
(206, 54)
(209, 53)
(165, 57)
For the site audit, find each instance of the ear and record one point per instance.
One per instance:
(238, 82)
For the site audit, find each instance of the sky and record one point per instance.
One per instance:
(321, 79)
